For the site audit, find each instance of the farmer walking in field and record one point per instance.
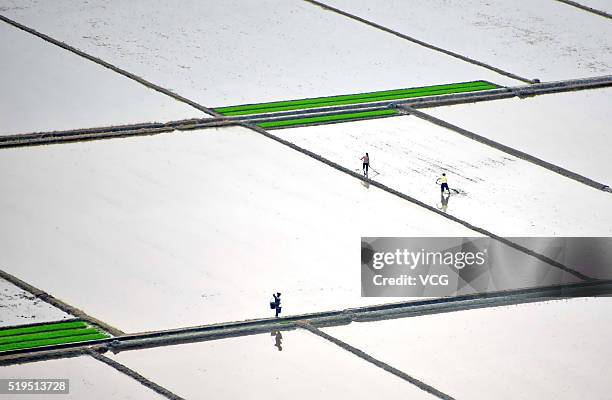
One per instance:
(275, 303)
(443, 182)
(366, 164)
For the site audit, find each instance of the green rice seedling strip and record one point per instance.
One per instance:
(46, 335)
(265, 108)
(327, 118)
(347, 102)
(50, 342)
(42, 328)
(358, 95)
(354, 98)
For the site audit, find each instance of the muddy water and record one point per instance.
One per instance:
(293, 364)
(192, 228)
(555, 350)
(498, 192)
(18, 307)
(570, 130)
(89, 379)
(69, 92)
(229, 45)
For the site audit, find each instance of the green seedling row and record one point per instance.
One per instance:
(46, 335)
(354, 98)
(425, 89)
(42, 328)
(52, 341)
(327, 118)
(345, 102)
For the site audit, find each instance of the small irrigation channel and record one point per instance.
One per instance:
(386, 311)
(586, 8)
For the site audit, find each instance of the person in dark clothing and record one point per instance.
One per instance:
(277, 303)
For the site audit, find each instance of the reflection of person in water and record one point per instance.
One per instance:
(278, 339)
(443, 202)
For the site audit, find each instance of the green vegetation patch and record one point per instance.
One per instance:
(49, 342)
(48, 334)
(327, 118)
(386, 95)
(42, 328)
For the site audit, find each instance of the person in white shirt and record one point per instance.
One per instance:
(366, 163)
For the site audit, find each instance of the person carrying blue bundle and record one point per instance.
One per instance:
(275, 303)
